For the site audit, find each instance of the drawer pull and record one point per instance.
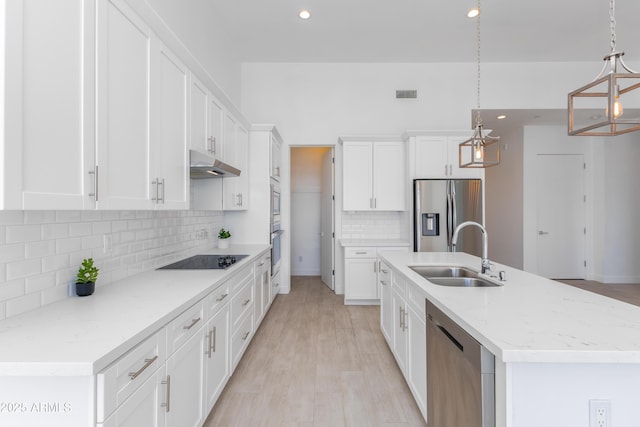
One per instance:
(213, 340)
(384, 282)
(361, 253)
(168, 384)
(221, 297)
(193, 322)
(246, 302)
(246, 334)
(147, 363)
(384, 271)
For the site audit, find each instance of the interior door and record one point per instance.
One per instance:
(561, 216)
(327, 221)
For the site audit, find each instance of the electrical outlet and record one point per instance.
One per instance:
(202, 234)
(599, 413)
(106, 243)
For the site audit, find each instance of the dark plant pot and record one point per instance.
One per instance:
(85, 289)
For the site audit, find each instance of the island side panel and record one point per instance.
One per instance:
(554, 394)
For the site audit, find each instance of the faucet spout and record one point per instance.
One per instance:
(486, 264)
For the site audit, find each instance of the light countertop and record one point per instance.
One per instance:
(81, 336)
(530, 318)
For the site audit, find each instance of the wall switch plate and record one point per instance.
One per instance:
(599, 413)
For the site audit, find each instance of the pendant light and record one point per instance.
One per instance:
(479, 151)
(606, 94)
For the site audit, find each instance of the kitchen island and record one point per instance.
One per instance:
(556, 347)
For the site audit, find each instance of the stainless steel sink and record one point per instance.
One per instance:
(463, 282)
(443, 271)
(446, 275)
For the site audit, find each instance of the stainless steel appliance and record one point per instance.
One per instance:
(460, 375)
(203, 166)
(276, 231)
(439, 206)
(205, 262)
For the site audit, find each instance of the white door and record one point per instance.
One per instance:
(561, 216)
(326, 218)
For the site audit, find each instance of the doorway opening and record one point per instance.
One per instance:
(312, 213)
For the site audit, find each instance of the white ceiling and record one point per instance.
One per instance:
(425, 30)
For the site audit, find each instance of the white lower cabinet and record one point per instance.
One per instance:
(216, 362)
(144, 408)
(362, 273)
(174, 377)
(402, 320)
(185, 384)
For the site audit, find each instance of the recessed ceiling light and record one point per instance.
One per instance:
(473, 13)
(501, 117)
(304, 14)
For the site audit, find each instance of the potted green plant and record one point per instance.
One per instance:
(223, 238)
(86, 278)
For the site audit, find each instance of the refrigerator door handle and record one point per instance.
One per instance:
(454, 207)
(418, 217)
(449, 216)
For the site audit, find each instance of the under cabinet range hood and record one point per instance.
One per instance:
(203, 166)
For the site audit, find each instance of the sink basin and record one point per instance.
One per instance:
(430, 271)
(463, 282)
(447, 275)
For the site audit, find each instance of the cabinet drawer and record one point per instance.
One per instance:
(416, 297)
(241, 303)
(239, 279)
(360, 253)
(184, 326)
(398, 284)
(384, 273)
(241, 338)
(117, 382)
(262, 264)
(217, 299)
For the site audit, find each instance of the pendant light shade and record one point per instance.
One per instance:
(597, 108)
(479, 151)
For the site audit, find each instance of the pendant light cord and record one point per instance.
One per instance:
(478, 121)
(612, 23)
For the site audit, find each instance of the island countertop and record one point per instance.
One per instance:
(530, 318)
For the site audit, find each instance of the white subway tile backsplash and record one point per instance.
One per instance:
(40, 251)
(23, 304)
(22, 233)
(20, 269)
(12, 289)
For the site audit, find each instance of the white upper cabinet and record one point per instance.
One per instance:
(275, 158)
(169, 133)
(374, 176)
(229, 149)
(437, 156)
(206, 120)
(47, 145)
(125, 51)
(236, 189)
(142, 116)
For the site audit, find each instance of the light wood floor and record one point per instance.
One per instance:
(317, 362)
(627, 292)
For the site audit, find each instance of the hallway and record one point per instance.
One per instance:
(317, 362)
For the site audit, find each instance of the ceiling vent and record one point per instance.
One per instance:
(406, 94)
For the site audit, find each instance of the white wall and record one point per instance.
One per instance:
(40, 251)
(306, 187)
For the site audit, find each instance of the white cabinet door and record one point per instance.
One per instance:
(169, 132)
(389, 176)
(357, 191)
(236, 189)
(229, 140)
(417, 357)
(49, 120)
(199, 117)
(125, 48)
(275, 159)
(185, 377)
(216, 120)
(145, 407)
(400, 331)
(217, 365)
(360, 279)
(431, 157)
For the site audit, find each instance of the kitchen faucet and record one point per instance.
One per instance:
(486, 264)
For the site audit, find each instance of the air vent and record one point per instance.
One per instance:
(406, 94)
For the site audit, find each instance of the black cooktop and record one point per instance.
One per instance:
(205, 262)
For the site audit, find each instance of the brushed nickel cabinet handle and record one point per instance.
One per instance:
(168, 384)
(246, 334)
(213, 341)
(193, 322)
(246, 302)
(221, 297)
(147, 363)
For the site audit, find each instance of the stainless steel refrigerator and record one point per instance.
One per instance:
(439, 206)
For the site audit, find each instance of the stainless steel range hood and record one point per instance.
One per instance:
(203, 166)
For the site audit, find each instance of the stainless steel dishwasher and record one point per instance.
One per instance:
(460, 375)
